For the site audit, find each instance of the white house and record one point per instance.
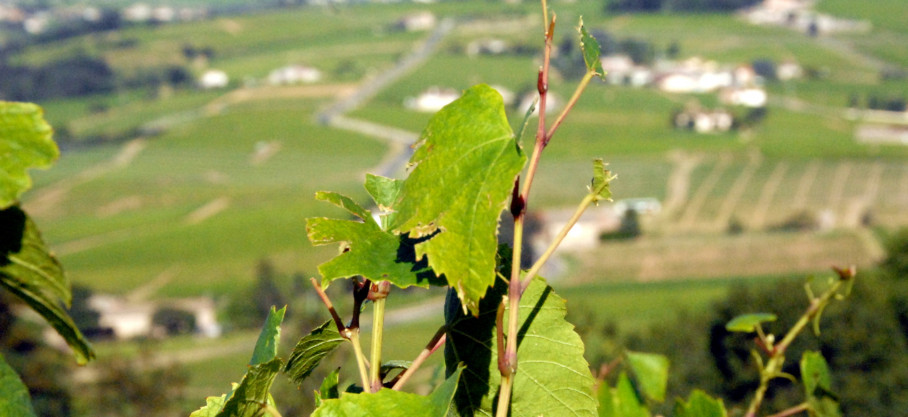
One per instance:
(585, 233)
(432, 100)
(294, 74)
(214, 78)
(704, 121)
(417, 22)
(678, 82)
(747, 97)
(492, 46)
(131, 318)
(138, 12)
(126, 319)
(789, 70)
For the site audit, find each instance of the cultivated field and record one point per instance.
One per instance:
(230, 178)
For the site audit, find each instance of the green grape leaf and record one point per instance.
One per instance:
(608, 401)
(818, 385)
(25, 142)
(252, 395)
(602, 178)
(14, 398)
(590, 47)
(384, 190)
(367, 249)
(699, 404)
(463, 172)
(747, 323)
(266, 346)
(390, 403)
(651, 371)
(328, 390)
(28, 270)
(627, 402)
(213, 406)
(311, 349)
(553, 378)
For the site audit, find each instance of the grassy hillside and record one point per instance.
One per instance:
(195, 201)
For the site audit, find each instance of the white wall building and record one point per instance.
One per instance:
(294, 74)
(214, 78)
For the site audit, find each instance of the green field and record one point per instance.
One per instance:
(193, 201)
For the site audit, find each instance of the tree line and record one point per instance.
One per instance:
(677, 5)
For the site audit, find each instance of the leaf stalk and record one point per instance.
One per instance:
(378, 294)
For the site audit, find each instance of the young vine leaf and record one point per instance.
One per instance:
(368, 251)
(384, 191)
(14, 397)
(462, 175)
(328, 390)
(311, 349)
(390, 403)
(621, 401)
(651, 371)
(253, 392)
(602, 178)
(747, 323)
(553, 378)
(699, 404)
(817, 385)
(28, 270)
(266, 346)
(590, 47)
(25, 142)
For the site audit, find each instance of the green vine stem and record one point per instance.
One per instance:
(800, 408)
(378, 293)
(589, 199)
(353, 335)
(773, 367)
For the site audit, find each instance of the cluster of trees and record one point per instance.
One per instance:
(864, 339)
(878, 102)
(677, 5)
(74, 76)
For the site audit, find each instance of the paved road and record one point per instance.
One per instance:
(398, 140)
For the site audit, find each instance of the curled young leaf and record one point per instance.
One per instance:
(601, 182)
(25, 142)
(747, 323)
(266, 346)
(590, 47)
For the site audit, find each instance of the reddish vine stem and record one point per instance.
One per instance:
(436, 342)
(361, 291)
(508, 357)
(327, 301)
